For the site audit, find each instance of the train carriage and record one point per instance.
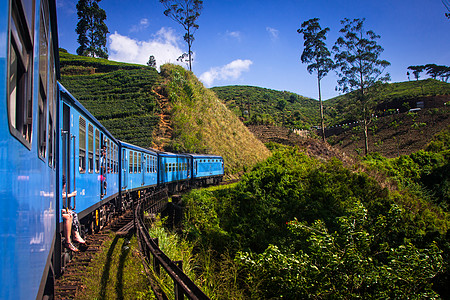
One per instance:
(89, 161)
(28, 134)
(138, 171)
(174, 170)
(207, 169)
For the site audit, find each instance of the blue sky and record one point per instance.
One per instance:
(250, 42)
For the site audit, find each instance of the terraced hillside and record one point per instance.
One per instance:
(256, 105)
(121, 99)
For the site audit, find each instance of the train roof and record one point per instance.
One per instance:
(85, 112)
(137, 148)
(199, 156)
(172, 154)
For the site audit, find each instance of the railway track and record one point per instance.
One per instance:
(67, 286)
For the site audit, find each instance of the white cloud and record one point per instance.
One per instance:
(231, 71)
(234, 34)
(143, 24)
(163, 46)
(273, 33)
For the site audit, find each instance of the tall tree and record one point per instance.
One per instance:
(316, 54)
(185, 13)
(359, 67)
(151, 61)
(91, 29)
(416, 70)
(432, 70)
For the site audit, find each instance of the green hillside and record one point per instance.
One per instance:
(119, 95)
(401, 95)
(257, 105)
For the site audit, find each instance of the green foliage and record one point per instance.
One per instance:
(423, 173)
(343, 263)
(304, 228)
(315, 53)
(91, 29)
(440, 142)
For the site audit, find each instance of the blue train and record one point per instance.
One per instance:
(45, 135)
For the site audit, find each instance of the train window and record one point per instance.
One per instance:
(42, 123)
(130, 169)
(135, 162)
(139, 162)
(165, 168)
(43, 79)
(52, 111)
(20, 64)
(28, 11)
(82, 145)
(90, 148)
(115, 158)
(97, 150)
(123, 160)
(147, 162)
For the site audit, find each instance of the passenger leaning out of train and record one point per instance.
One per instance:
(71, 223)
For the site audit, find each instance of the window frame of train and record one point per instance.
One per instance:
(139, 162)
(20, 63)
(90, 148)
(130, 162)
(52, 109)
(44, 38)
(81, 143)
(98, 148)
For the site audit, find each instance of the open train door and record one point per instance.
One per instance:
(68, 159)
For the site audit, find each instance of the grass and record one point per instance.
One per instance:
(116, 273)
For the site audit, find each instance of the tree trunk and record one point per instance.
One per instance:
(189, 49)
(321, 109)
(366, 136)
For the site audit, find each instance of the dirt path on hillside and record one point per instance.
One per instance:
(163, 134)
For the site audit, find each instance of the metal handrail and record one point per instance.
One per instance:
(182, 283)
